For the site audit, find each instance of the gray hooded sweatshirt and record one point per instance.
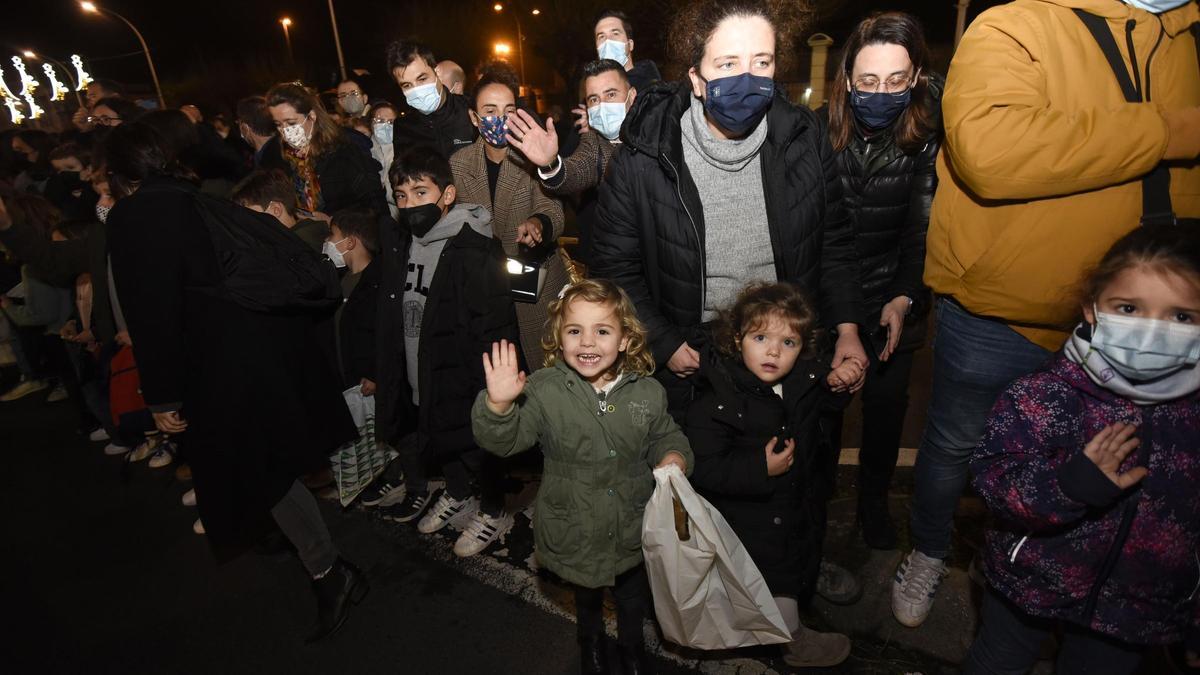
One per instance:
(423, 256)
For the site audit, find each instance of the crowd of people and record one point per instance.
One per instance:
(204, 290)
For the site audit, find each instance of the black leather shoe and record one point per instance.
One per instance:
(635, 660)
(343, 586)
(593, 655)
(876, 524)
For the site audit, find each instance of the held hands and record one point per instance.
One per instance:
(505, 381)
(892, 316)
(540, 146)
(849, 348)
(845, 375)
(673, 458)
(529, 232)
(1109, 448)
(779, 463)
(684, 361)
(170, 422)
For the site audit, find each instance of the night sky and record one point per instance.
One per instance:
(215, 51)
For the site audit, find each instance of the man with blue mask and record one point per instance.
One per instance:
(614, 40)
(436, 117)
(608, 97)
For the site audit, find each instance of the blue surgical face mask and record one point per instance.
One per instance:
(1145, 349)
(383, 132)
(879, 110)
(738, 103)
(424, 99)
(615, 50)
(606, 118)
(494, 130)
(1157, 6)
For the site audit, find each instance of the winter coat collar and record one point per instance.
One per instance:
(1074, 375)
(731, 381)
(1174, 22)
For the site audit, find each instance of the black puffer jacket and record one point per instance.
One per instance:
(447, 129)
(888, 194)
(729, 425)
(650, 231)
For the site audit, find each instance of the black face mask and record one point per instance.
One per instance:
(420, 219)
(71, 180)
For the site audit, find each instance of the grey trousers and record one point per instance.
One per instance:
(300, 520)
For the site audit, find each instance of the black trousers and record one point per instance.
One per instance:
(632, 594)
(467, 472)
(885, 403)
(1010, 640)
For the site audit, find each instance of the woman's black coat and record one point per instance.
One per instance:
(729, 424)
(348, 175)
(262, 404)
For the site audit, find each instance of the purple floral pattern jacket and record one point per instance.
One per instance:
(1066, 543)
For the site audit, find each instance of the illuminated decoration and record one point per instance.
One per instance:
(57, 90)
(81, 75)
(5, 92)
(35, 110)
(14, 110)
(28, 84)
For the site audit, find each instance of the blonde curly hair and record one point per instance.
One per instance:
(635, 359)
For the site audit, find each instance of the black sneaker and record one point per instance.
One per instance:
(383, 492)
(410, 509)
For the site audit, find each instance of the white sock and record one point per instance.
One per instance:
(790, 609)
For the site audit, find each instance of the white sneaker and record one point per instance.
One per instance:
(98, 435)
(189, 497)
(446, 511)
(58, 393)
(23, 389)
(481, 532)
(163, 456)
(198, 527)
(114, 449)
(917, 580)
(148, 447)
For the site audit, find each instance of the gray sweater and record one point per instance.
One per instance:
(737, 239)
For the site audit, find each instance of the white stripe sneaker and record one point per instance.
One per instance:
(481, 532)
(447, 511)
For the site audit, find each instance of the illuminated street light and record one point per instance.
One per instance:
(502, 49)
(93, 9)
(287, 37)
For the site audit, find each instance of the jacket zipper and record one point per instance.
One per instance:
(695, 231)
(1012, 552)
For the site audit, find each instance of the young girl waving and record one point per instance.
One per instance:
(1090, 466)
(754, 431)
(602, 425)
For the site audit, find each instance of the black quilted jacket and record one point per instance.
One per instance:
(650, 232)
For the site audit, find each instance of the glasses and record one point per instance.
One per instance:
(102, 120)
(348, 94)
(380, 120)
(894, 86)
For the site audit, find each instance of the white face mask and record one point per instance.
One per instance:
(296, 136)
(615, 50)
(330, 249)
(1145, 349)
(1157, 6)
(424, 99)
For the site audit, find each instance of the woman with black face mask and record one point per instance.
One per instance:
(885, 125)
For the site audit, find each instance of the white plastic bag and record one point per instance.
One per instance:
(356, 464)
(708, 593)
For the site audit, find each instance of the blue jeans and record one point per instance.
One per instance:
(974, 360)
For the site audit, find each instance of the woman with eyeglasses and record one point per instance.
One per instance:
(382, 118)
(885, 126)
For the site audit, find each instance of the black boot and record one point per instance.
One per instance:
(342, 586)
(635, 660)
(593, 655)
(877, 529)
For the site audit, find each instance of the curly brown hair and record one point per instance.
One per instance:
(694, 26)
(755, 306)
(636, 358)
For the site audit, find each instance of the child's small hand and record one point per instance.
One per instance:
(673, 458)
(505, 381)
(845, 376)
(779, 463)
(1109, 448)
(368, 387)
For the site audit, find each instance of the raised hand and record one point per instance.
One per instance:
(540, 146)
(505, 381)
(1109, 448)
(581, 119)
(779, 463)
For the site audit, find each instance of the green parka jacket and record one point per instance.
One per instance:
(587, 523)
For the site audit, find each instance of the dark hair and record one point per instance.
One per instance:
(601, 66)
(40, 141)
(421, 162)
(34, 210)
(615, 14)
(496, 73)
(176, 130)
(361, 224)
(132, 153)
(73, 229)
(380, 105)
(68, 150)
(755, 305)
(111, 87)
(401, 53)
(264, 186)
(695, 24)
(326, 132)
(919, 121)
(252, 111)
(126, 110)
(1165, 248)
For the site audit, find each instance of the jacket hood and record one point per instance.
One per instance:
(1174, 22)
(477, 217)
(653, 123)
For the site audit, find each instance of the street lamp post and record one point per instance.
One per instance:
(337, 41)
(66, 71)
(961, 23)
(287, 38)
(498, 7)
(95, 9)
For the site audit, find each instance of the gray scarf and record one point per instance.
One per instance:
(1079, 350)
(727, 155)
